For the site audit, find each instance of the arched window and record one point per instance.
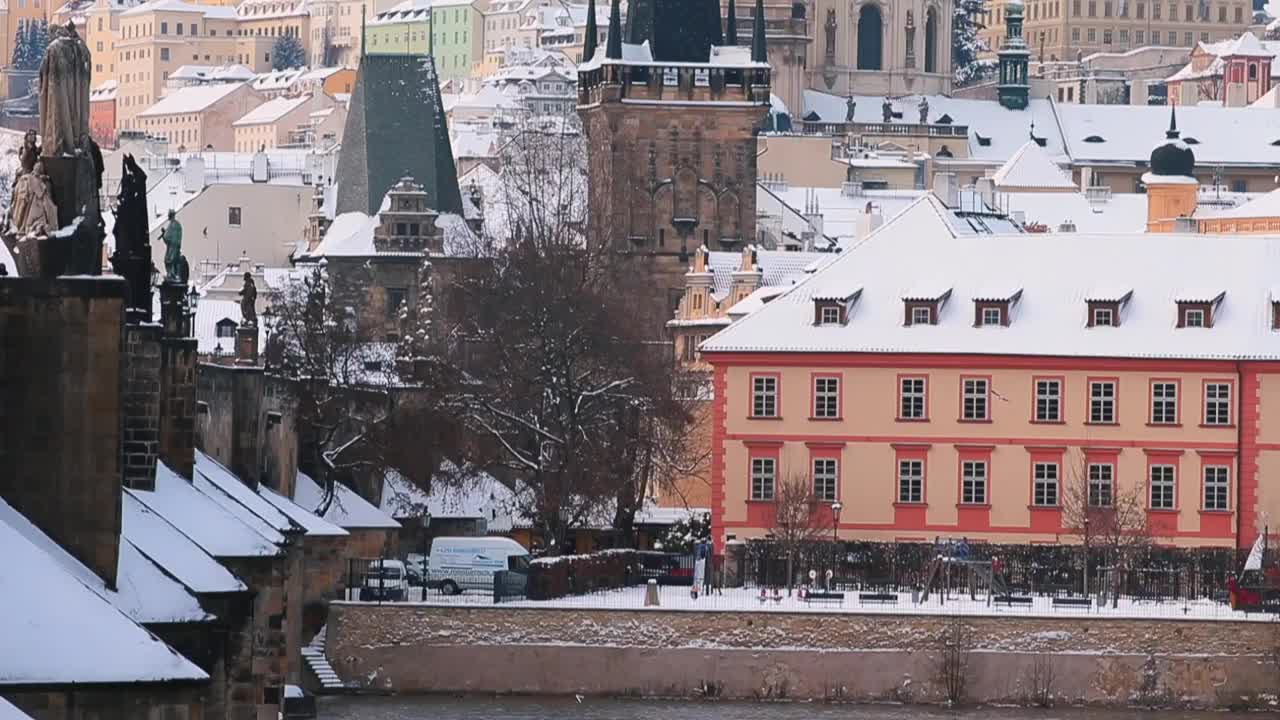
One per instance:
(1253, 71)
(931, 40)
(869, 35)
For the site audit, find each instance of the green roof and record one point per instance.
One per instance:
(396, 128)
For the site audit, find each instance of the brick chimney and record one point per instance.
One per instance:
(177, 424)
(61, 378)
(141, 405)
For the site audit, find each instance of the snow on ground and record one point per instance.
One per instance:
(748, 600)
(56, 630)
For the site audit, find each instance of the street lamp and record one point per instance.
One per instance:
(835, 521)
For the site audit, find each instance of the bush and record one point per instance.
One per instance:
(551, 578)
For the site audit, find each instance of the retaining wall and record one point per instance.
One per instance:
(420, 648)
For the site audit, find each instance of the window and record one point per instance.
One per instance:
(1155, 12)
(226, 329)
(910, 481)
(1075, 34)
(975, 399)
(824, 479)
(1162, 485)
(1193, 317)
(830, 315)
(1140, 10)
(1101, 484)
(1239, 15)
(1075, 8)
(1217, 404)
(1102, 401)
(179, 28)
(233, 216)
(1045, 485)
(1093, 8)
(1048, 401)
(1222, 13)
(1124, 37)
(1155, 34)
(911, 398)
(395, 300)
(1216, 487)
(690, 352)
(1186, 13)
(973, 482)
(164, 28)
(992, 316)
(164, 53)
(1106, 37)
(1093, 34)
(764, 396)
(826, 397)
(1164, 403)
(1188, 38)
(763, 475)
(921, 315)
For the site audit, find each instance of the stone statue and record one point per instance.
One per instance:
(32, 212)
(132, 258)
(911, 40)
(886, 110)
(924, 110)
(849, 106)
(248, 300)
(64, 92)
(175, 265)
(830, 28)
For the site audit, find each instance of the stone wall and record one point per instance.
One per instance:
(763, 654)
(172, 702)
(141, 405)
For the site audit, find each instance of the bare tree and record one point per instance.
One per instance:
(951, 669)
(1104, 516)
(799, 520)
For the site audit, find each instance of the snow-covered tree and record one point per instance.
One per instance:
(22, 49)
(287, 52)
(39, 42)
(966, 45)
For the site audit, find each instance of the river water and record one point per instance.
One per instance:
(523, 708)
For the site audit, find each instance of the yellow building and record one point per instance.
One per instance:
(276, 122)
(199, 117)
(404, 28)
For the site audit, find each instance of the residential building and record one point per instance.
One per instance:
(1234, 73)
(564, 28)
(269, 20)
(989, 394)
(457, 38)
(1069, 29)
(508, 24)
(102, 113)
(332, 81)
(101, 30)
(201, 117)
(404, 28)
(277, 123)
(277, 83)
(188, 75)
(1131, 77)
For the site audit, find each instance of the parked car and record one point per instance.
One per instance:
(385, 580)
(666, 568)
(468, 563)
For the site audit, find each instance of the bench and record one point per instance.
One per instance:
(1072, 602)
(885, 598)
(824, 597)
(1012, 600)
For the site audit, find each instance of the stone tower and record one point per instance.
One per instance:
(880, 47)
(1014, 87)
(670, 117)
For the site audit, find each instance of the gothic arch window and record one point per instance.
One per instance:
(870, 34)
(685, 205)
(931, 40)
(729, 225)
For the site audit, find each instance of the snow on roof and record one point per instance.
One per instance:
(209, 11)
(9, 712)
(455, 493)
(209, 313)
(178, 554)
(272, 110)
(779, 267)
(1031, 168)
(213, 473)
(105, 91)
(1246, 45)
(312, 523)
(348, 509)
(1271, 99)
(143, 591)
(278, 79)
(1218, 135)
(1265, 206)
(190, 99)
(1121, 212)
(755, 300)
(199, 517)
(1052, 307)
(58, 631)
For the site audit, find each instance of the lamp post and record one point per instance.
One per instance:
(835, 521)
(193, 301)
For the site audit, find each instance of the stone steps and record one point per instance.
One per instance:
(313, 655)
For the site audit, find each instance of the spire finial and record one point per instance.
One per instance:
(613, 48)
(1173, 133)
(591, 40)
(1033, 129)
(731, 25)
(759, 53)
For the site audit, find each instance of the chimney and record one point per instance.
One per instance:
(193, 177)
(946, 189)
(140, 405)
(177, 381)
(987, 191)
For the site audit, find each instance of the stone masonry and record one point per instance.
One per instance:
(141, 405)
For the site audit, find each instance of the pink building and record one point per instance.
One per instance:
(954, 376)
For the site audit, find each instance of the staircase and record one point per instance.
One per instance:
(314, 657)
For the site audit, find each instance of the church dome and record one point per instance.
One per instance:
(1173, 157)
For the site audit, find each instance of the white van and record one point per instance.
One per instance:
(468, 563)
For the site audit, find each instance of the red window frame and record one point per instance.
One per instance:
(827, 451)
(1088, 400)
(962, 418)
(911, 452)
(777, 396)
(897, 396)
(1062, 399)
(972, 454)
(1204, 402)
(813, 395)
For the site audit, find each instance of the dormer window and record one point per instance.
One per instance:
(991, 316)
(1195, 310)
(1104, 307)
(829, 315)
(923, 308)
(921, 315)
(991, 309)
(834, 310)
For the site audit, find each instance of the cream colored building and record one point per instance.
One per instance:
(1063, 29)
(273, 19)
(505, 27)
(873, 48)
(199, 118)
(277, 123)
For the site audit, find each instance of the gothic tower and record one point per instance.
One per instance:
(670, 116)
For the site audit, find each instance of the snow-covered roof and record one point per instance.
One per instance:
(1218, 135)
(271, 111)
(1031, 168)
(143, 591)
(1052, 308)
(278, 79)
(312, 523)
(57, 631)
(9, 712)
(105, 91)
(219, 483)
(1121, 212)
(217, 12)
(178, 554)
(209, 313)
(190, 99)
(778, 267)
(348, 510)
(220, 532)
(1265, 206)
(454, 494)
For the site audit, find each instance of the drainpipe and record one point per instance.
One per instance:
(1239, 450)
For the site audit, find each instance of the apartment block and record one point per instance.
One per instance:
(199, 118)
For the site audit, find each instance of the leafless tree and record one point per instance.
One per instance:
(799, 520)
(955, 645)
(1105, 517)
(1040, 677)
(1210, 88)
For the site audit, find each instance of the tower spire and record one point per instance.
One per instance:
(731, 25)
(613, 50)
(362, 36)
(759, 53)
(591, 40)
(1172, 133)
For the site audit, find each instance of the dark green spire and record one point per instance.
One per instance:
(613, 50)
(731, 24)
(589, 42)
(717, 34)
(758, 51)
